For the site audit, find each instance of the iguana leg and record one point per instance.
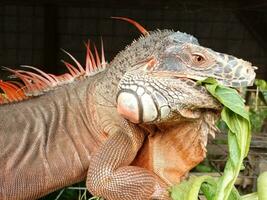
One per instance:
(110, 176)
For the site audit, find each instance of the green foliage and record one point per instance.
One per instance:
(236, 117)
(237, 120)
(202, 167)
(238, 144)
(262, 85)
(77, 191)
(257, 119)
(189, 190)
(262, 189)
(262, 186)
(96, 198)
(258, 110)
(251, 196)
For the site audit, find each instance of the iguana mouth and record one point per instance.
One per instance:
(226, 81)
(178, 76)
(238, 89)
(234, 83)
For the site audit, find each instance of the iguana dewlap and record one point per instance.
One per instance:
(130, 128)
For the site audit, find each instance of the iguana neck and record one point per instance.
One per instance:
(133, 54)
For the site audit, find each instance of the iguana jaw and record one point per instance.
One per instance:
(164, 99)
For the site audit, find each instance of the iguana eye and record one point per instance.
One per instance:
(198, 58)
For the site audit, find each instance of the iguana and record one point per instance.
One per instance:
(130, 127)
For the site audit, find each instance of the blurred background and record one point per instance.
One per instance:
(33, 31)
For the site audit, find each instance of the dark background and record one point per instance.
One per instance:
(32, 32)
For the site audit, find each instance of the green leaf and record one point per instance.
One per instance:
(262, 186)
(234, 195)
(188, 190)
(209, 189)
(203, 168)
(251, 196)
(236, 117)
(257, 119)
(262, 189)
(207, 81)
(229, 98)
(262, 85)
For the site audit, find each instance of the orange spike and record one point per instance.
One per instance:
(18, 84)
(6, 91)
(11, 85)
(10, 92)
(73, 71)
(92, 59)
(63, 77)
(35, 81)
(14, 85)
(49, 78)
(36, 77)
(89, 67)
(29, 81)
(103, 60)
(77, 63)
(19, 74)
(24, 78)
(136, 24)
(2, 99)
(98, 64)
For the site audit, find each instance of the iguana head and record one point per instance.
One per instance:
(184, 57)
(162, 87)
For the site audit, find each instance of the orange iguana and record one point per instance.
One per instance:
(130, 127)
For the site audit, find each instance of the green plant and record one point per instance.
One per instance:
(236, 118)
(258, 106)
(262, 186)
(262, 87)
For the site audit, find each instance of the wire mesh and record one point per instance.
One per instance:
(22, 30)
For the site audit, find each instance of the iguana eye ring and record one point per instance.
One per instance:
(198, 58)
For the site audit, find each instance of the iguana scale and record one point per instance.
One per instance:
(130, 127)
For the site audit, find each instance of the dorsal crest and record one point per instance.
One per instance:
(37, 82)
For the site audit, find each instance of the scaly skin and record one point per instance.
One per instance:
(94, 127)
